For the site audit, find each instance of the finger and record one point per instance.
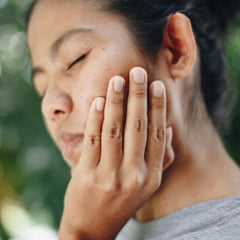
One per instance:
(157, 126)
(169, 152)
(135, 134)
(92, 138)
(112, 126)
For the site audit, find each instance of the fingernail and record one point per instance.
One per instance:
(118, 84)
(100, 104)
(170, 134)
(158, 89)
(138, 75)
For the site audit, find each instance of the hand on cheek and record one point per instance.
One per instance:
(120, 167)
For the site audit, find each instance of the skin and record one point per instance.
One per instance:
(122, 148)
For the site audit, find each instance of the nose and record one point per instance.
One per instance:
(56, 104)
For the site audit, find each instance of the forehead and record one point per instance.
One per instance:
(50, 19)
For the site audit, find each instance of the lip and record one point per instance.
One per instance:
(70, 146)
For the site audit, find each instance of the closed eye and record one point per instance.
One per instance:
(77, 61)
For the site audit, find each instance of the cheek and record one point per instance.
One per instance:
(115, 58)
(92, 80)
(92, 84)
(83, 93)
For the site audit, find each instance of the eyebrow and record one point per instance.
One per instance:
(55, 47)
(64, 37)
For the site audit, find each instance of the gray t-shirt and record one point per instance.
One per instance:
(212, 220)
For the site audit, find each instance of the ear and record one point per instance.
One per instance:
(179, 45)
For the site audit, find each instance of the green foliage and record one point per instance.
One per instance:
(31, 169)
(232, 137)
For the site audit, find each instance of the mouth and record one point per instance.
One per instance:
(70, 145)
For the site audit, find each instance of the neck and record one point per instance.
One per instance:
(202, 171)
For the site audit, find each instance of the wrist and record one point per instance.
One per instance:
(77, 231)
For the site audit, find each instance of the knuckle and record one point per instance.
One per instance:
(94, 139)
(117, 100)
(139, 92)
(115, 131)
(157, 103)
(154, 180)
(107, 184)
(84, 181)
(111, 183)
(157, 132)
(153, 184)
(131, 185)
(160, 133)
(134, 181)
(140, 125)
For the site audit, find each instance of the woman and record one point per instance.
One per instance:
(127, 87)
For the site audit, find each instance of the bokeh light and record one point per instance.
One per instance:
(18, 223)
(3, 3)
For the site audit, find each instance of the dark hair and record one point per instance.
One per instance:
(210, 20)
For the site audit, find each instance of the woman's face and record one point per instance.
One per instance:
(75, 50)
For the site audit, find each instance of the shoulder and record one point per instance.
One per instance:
(211, 220)
(219, 219)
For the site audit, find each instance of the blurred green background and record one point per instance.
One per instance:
(32, 172)
(33, 175)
